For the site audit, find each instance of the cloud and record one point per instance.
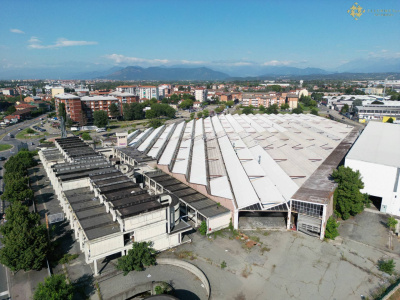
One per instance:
(278, 63)
(14, 30)
(35, 43)
(120, 59)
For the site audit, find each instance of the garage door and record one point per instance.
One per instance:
(309, 225)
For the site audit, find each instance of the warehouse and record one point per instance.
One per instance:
(107, 209)
(376, 156)
(249, 163)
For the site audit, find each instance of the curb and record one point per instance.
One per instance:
(7, 149)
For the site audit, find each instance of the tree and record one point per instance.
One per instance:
(114, 110)
(391, 222)
(61, 111)
(230, 103)
(54, 288)
(150, 114)
(345, 109)
(17, 190)
(69, 122)
(24, 239)
(10, 110)
(199, 114)
(186, 104)
(390, 120)
(306, 100)
(331, 231)
(261, 108)
(348, 200)
(285, 106)
(357, 102)
(100, 118)
(314, 111)
(203, 228)
(141, 255)
(192, 115)
(30, 131)
(297, 110)
(273, 109)
(206, 113)
(86, 136)
(247, 110)
(34, 92)
(154, 123)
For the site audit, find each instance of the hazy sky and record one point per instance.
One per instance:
(299, 33)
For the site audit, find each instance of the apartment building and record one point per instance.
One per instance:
(95, 103)
(132, 89)
(200, 94)
(73, 106)
(148, 92)
(57, 90)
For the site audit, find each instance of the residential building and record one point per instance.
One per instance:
(196, 104)
(148, 92)
(73, 106)
(132, 89)
(23, 106)
(200, 94)
(226, 97)
(91, 104)
(56, 90)
(32, 99)
(125, 98)
(8, 92)
(293, 100)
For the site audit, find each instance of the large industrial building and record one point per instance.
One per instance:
(376, 154)
(248, 164)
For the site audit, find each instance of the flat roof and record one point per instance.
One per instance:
(379, 143)
(91, 214)
(193, 198)
(319, 187)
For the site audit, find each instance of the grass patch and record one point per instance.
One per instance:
(265, 249)
(24, 135)
(67, 258)
(254, 238)
(4, 147)
(187, 255)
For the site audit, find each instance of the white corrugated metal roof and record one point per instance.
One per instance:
(136, 139)
(379, 143)
(173, 143)
(150, 138)
(160, 142)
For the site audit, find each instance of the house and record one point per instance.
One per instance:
(196, 104)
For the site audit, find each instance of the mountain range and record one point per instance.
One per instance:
(359, 68)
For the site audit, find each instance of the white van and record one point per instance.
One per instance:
(100, 130)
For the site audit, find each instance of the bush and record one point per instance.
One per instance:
(391, 222)
(54, 287)
(30, 131)
(203, 228)
(386, 266)
(223, 265)
(86, 136)
(331, 231)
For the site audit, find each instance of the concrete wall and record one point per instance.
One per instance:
(150, 231)
(379, 181)
(145, 219)
(75, 184)
(189, 267)
(219, 222)
(101, 247)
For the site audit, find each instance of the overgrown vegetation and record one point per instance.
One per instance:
(391, 223)
(140, 256)
(54, 287)
(348, 200)
(331, 231)
(203, 228)
(386, 266)
(223, 264)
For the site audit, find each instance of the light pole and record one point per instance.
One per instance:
(384, 86)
